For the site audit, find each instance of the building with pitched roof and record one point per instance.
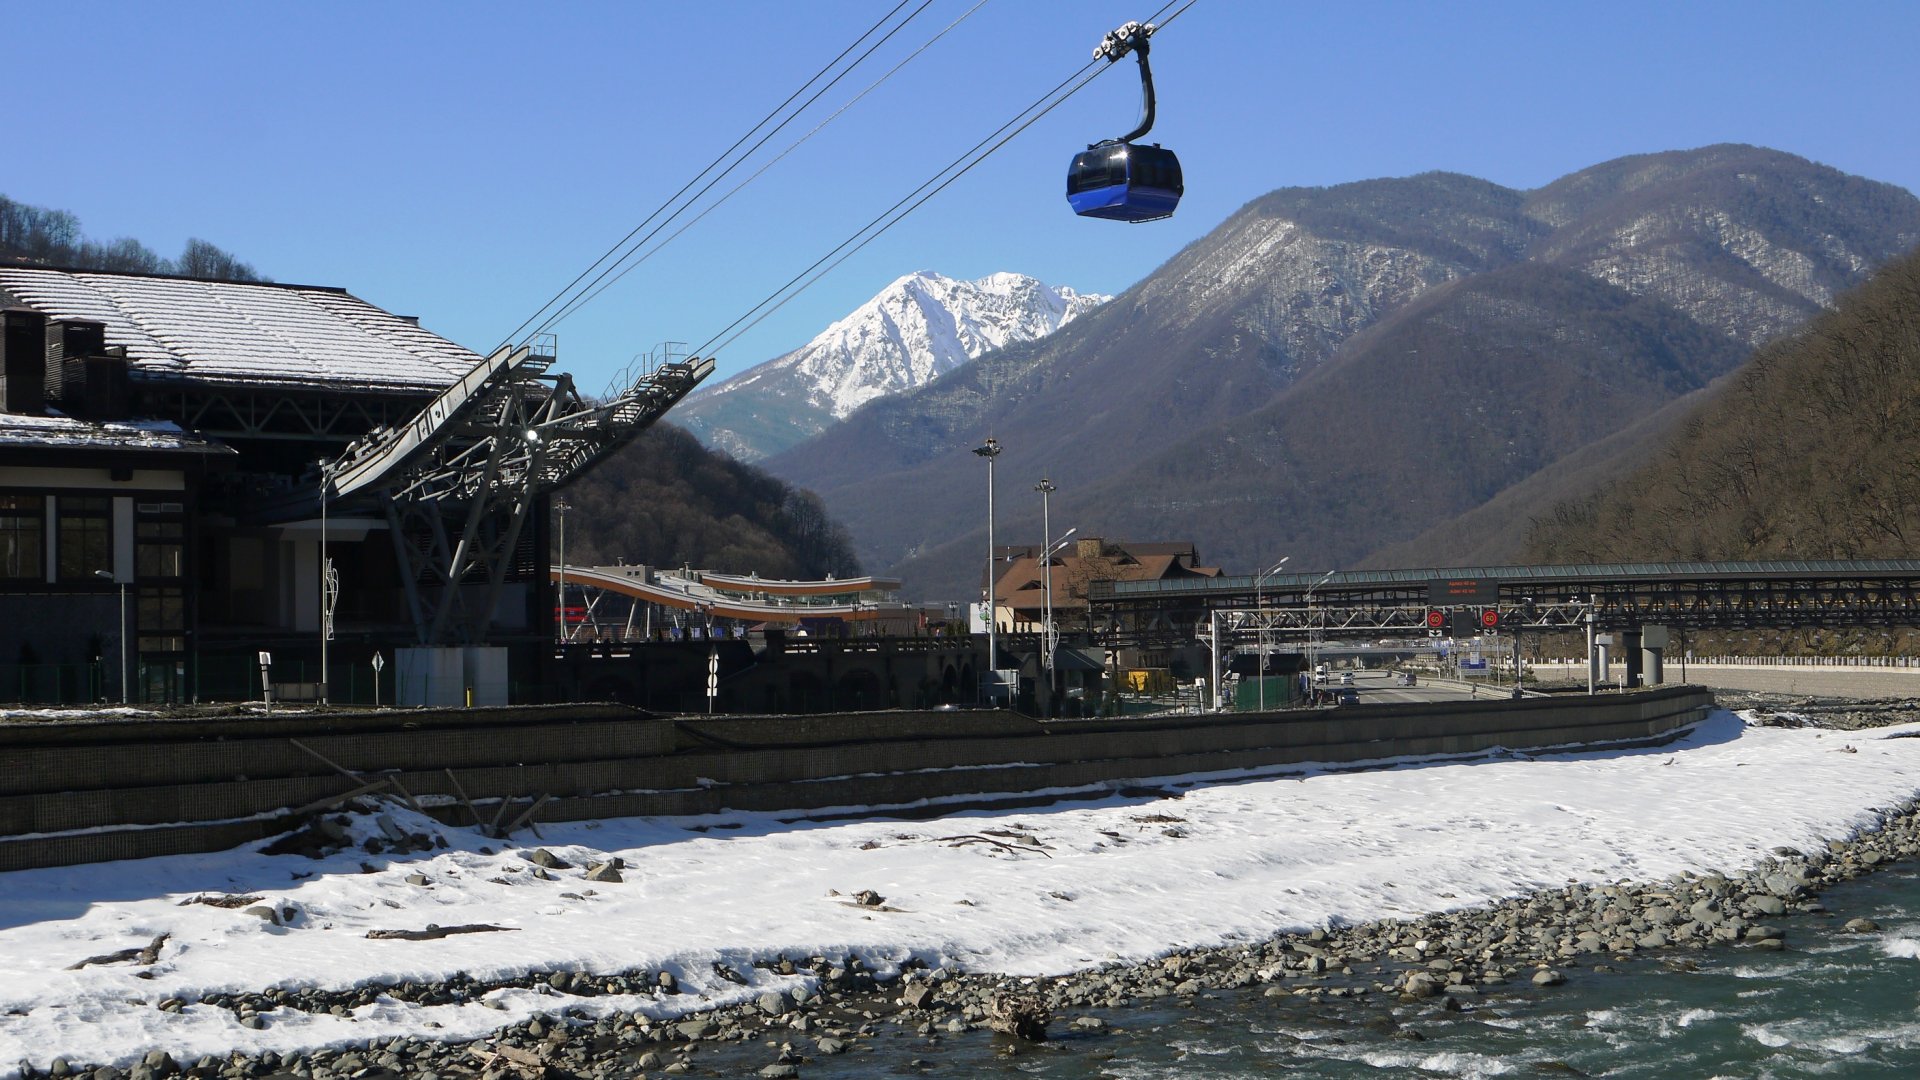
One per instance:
(1020, 593)
(188, 459)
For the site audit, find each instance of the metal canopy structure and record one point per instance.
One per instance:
(458, 481)
(1685, 595)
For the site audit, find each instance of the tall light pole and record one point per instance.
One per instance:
(561, 506)
(329, 585)
(1046, 489)
(1260, 635)
(1311, 637)
(990, 450)
(107, 575)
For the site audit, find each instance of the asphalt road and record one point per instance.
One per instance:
(1381, 688)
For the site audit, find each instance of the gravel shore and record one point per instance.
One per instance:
(1448, 960)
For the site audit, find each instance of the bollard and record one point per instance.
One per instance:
(469, 697)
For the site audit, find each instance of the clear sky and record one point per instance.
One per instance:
(462, 162)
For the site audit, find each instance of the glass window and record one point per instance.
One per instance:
(159, 549)
(161, 616)
(22, 536)
(85, 536)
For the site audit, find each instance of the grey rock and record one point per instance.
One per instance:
(418, 879)
(779, 1071)
(831, 1046)
(917, 995)
(545, 859)
(696, 1030)
(774, 1003)
(605, 871)
(1421, 984)
(1548, 977)
(1861, 926)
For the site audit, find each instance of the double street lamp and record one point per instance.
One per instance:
(1313, 638)
(1260, 636)
(1049, 638)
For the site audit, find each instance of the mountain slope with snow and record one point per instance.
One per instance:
(915, 330)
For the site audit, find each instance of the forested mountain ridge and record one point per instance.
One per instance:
(38, 236)
(1325, 376)
(1811, 451)
(665, 500)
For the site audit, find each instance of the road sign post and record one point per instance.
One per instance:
(713, 677)
(379, 662)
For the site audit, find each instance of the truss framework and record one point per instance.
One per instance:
(1705, 597)
(458, 482)
(1389, 620)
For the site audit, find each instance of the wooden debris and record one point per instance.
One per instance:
(1024, 845)
(223, 900)
(1023, 1016)
(434, 932)
(145, 956)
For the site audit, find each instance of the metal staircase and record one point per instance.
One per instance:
(458, 481)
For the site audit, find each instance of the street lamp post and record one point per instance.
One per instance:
(1046, 489)
(1312, 638)
(329, 586)
(561, 506)
(1260, 633)
(107, 575)
(990, 450)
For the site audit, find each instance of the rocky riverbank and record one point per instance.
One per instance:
(830, 1005)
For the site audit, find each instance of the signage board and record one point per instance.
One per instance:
(1450, 592)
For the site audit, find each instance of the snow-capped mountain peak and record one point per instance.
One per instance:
(918, 328)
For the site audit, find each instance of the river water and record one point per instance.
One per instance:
(1830, 1004)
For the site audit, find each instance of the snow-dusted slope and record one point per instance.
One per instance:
(917, 329)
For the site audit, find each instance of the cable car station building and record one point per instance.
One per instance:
(181, 461)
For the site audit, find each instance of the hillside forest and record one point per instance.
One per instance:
(43, 237)
(1811, 451)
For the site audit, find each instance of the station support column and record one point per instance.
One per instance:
(1653, 652)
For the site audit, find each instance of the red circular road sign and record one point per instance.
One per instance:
(1490, 617)
(1436, 619)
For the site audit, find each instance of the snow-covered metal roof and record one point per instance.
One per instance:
(131, 435)
(224, 331)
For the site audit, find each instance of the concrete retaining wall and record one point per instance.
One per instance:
(91, 791)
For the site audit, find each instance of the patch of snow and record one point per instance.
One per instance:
(1251, 858)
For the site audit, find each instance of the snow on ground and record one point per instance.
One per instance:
(1248, 855)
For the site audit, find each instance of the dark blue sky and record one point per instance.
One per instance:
(462, 162)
